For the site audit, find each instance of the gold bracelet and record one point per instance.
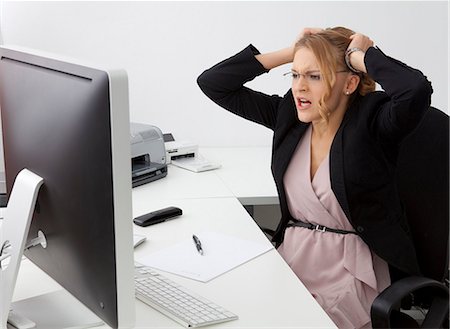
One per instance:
(347, 58)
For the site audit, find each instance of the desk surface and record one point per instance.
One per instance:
(246, 172)
(263, 292)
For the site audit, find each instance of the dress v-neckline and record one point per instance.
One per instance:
(313, 178)
(319, 169)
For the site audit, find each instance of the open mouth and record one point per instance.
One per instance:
(303, 103)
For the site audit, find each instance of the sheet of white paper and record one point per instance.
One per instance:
(221, 254)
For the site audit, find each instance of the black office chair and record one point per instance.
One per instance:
(423, 182)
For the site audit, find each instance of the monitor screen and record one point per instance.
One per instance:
(69, 124)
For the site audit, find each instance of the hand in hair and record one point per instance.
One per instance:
(362, 43)
(285, 55)
(308, 31)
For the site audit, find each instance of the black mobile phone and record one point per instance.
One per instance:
(158, 216)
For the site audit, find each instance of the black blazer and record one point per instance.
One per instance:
(363, 153)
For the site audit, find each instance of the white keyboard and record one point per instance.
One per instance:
(175, 301)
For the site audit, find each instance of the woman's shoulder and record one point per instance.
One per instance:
(370, 103)
(364, 110)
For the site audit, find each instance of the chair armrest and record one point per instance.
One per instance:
(390, 299)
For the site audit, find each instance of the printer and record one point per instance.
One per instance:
(148, 154)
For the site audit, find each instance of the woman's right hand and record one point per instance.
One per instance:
(285, 55)
(307, 31)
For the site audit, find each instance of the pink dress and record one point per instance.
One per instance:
(339, 270)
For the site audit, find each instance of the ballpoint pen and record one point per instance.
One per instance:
(198, 244)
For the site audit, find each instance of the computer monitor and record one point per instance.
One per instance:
(69, 124)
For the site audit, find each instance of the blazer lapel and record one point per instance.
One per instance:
(286, 150)
(337, 166)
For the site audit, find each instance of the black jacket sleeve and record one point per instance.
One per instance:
(224, 84)
(409, 94)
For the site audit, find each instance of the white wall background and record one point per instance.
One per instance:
(164, 46)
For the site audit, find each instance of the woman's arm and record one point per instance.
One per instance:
(276, 58)
(224, 84)
(408, 89)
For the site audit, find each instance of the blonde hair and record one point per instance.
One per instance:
(329, 46)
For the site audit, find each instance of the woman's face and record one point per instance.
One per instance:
(308, 87)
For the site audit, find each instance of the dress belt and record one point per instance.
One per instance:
(317, 227)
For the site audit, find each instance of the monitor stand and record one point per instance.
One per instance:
(36, 312)
(55, 310)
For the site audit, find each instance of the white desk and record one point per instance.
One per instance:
(246, 172)
(183, 184)
(264, 292)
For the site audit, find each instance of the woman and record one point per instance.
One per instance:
(334, 153)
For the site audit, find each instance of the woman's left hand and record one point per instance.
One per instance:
(362, 42)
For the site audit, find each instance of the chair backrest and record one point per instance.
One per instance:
(423, 183)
